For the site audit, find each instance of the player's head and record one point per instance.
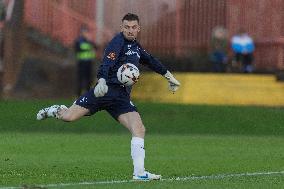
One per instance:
(130, 26)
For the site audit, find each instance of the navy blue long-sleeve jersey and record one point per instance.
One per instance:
(120, 51)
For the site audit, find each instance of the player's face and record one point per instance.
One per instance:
(130, 29)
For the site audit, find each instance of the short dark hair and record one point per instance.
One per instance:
(130, 17)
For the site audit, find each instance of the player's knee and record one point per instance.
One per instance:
(139, 131)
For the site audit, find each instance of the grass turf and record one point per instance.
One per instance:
(181, 141)
(158, 118)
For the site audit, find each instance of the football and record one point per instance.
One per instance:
(128, 74)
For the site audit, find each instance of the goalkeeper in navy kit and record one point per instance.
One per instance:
(110, 95)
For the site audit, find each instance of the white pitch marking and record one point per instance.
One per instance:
(219, 176)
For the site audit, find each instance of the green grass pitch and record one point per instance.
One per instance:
(205, 146)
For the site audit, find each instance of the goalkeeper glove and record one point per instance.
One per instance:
(101, 88)
(173, 83)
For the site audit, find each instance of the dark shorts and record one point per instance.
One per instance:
(115, 102)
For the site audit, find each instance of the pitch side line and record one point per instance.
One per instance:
(219, 176)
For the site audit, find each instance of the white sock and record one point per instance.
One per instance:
(138, 155)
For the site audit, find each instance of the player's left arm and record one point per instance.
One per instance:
(155, 65)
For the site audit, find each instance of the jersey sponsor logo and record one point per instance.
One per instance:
(131, 52)
(111, 56)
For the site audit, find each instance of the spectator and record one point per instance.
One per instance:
(243, 48)
(219, 45)
(85, 51)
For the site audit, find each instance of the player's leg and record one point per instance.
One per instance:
(73, 113)
(132, 121)
(62, 112)
(82, 106)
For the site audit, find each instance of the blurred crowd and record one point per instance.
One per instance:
(235, 54)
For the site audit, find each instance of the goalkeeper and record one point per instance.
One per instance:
(110, 95)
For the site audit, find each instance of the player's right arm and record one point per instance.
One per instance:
(110, 58)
